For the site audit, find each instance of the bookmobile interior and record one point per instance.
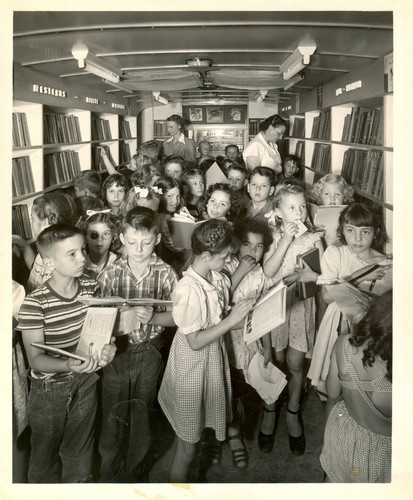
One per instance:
(88, 79)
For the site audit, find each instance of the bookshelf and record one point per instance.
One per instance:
(356, 142)
(160, 132)
(254, 127)
(63, 141)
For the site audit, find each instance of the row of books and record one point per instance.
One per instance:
(61, 129)
(321, 159)
(61, 167)
(20, 130)
(20, 221)
(300, 151)
(254, 126)
(101, 130)
(298, 128)
(364, 170)
(22, 176)
(124, 152)
(97, 161)
(160, 128)
(124, 129)
(363, 126)
(322, 126)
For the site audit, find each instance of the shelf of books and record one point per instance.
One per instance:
(160, 131)
(52, 144)
(296, 136)
(254, 127)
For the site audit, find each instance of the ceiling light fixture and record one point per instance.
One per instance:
(94, 64)
(159, 98)
(260, 95)
(297, 61)
(198, 62)
(294, 80)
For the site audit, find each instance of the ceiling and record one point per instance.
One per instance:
(246, 49)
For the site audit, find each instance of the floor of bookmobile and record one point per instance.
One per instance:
(280, 466)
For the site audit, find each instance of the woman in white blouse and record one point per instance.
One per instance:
(262, 150)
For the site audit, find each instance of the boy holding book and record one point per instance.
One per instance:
(129, 383)
(63, 397)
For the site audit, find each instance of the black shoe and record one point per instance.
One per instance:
(266, 441)
(297, 444)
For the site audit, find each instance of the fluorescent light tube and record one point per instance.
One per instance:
(297, 61)
(93, 64)
(294, 80)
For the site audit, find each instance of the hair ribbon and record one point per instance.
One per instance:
(89, 213)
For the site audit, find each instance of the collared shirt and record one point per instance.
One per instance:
(119, 280)
(183, 147)
(261, 213)
(266, 152)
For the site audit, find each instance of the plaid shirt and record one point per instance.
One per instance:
(118, 280)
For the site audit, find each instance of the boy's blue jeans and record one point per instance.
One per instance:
(62, 419)
(129, 388)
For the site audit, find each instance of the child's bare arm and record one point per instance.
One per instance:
(333, 384)
(42, 362)
(25, 249)
(162, 319)
(275, 255)
(108, 164)
(201, 338)
(246, 264)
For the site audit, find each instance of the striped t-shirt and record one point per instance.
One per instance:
(60, 318)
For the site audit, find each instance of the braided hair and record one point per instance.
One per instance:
(214, 236)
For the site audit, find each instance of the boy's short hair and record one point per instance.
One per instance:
(295, 159)
(231, 146)
(236, 166)
(150, 148)
(54, 234)
(264, 172)
(140, 219)
(89, 180)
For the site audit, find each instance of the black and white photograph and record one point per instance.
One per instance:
(176, 332)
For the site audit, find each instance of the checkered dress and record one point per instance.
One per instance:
(352, 453)
(196, 388)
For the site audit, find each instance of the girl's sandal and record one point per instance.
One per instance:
(240, 455)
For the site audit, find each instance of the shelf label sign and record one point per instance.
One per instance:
(349, 87)
(42, 89)
(286, 108)
(118, 106)
(92, 100)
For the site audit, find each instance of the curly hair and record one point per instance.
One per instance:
(285, 191)
(245, 225)
(178, 120)
(214, 236)
(347, 189)
(225, 188)
(375, 333)
(360, 215)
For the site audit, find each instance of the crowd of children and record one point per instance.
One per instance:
(113, 238)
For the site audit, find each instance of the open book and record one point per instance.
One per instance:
(181, 229)
(214, 174)
(121, 301)
(267, 314)
(96, 332)
(352, 301)
(327, 216)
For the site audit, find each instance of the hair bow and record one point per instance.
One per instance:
(157, 190)
(142, 192)
(271, 218)
(89, 213)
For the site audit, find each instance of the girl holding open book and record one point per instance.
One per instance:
(293, 341)
(196, 389)
(357, 259)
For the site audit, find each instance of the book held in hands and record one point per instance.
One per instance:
(268, 313)
(96, 332)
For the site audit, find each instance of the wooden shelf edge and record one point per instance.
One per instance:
(63, 185)
(18, 199)
(58, 145)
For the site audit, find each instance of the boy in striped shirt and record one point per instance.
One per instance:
(63, 397)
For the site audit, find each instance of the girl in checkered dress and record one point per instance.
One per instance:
(357, 438)
(196, 388)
